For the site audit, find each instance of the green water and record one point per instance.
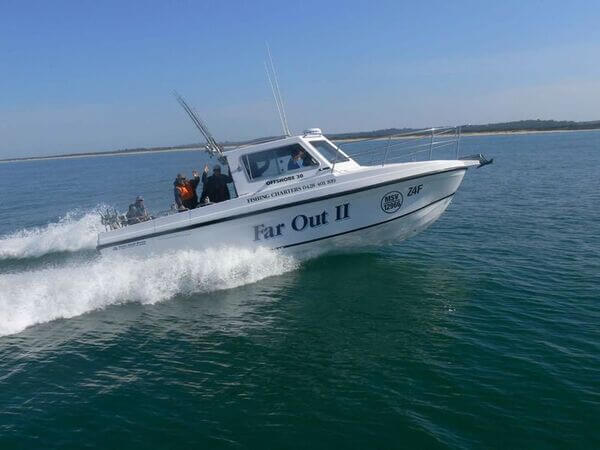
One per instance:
(481, 332)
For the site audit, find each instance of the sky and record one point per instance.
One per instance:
(80, 76)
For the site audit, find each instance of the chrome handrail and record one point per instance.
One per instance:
(409, 143)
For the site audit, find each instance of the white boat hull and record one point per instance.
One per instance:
(337, 216)
(383, 234)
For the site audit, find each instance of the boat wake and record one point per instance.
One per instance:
(42, 295)
(73, 232)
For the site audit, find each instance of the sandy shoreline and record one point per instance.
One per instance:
(194, 149)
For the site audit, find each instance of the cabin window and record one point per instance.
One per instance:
(277, 161)
(329, 152)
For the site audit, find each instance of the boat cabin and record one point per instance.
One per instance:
(285, 161)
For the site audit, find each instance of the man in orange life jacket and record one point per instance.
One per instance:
(185, 191)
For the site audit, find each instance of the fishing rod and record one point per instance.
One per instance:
(212, 146)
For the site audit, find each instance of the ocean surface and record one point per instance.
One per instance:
(481, 332)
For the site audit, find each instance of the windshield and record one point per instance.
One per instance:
(329, 152)
(278, 161)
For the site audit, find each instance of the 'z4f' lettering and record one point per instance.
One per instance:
(414, 190)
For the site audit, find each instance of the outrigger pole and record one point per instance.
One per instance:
(272, 76)
(212, 146)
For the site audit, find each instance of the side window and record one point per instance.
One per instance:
(261, 164)
(277, 161)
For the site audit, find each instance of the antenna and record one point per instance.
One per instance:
(272, 76)
(211, 144)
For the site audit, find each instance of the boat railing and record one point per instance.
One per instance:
(411, 145)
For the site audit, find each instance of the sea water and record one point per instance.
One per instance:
(483, 331)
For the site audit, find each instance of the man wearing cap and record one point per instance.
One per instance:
(137, 212)
(215, 187)
(185, 191)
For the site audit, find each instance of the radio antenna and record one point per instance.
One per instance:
(272, 76)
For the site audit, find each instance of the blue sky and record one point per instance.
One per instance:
(89, 75)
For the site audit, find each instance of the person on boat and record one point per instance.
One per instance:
(137, 212)
(185, 191)
(299, 158)
(215, 186)
(296, 159)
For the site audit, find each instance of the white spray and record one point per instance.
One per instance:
(66, 291)
(72, 233)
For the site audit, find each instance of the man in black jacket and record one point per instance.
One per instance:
(215, 187)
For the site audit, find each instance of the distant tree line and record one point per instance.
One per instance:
(520, 125)
(507, 127)
(532, 125)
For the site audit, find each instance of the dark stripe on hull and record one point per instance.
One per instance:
(370, 226)
(275, 208)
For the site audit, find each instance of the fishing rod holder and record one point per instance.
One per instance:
(112, 220)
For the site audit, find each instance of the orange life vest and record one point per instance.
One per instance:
(185, 192)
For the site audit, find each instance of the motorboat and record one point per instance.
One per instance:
(331, 200)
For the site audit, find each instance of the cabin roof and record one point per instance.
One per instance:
(251, 148)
